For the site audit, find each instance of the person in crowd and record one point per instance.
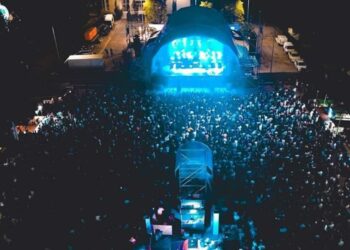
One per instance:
(103, 160)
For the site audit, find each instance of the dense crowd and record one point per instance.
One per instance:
(105, 158)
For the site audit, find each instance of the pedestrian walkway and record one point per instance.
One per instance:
(113, 45)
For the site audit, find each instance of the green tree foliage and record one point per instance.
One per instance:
(155, 11)
(228, 11)
(206, 4)
(239, 11)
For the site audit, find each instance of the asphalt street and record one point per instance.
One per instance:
(273, 57)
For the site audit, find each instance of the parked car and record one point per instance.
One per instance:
(300, 65)
(87, 47)
(281, 39)
(104, 29)
(84, 52)
(91, 34)
(294, 55)
(292, 33)
(109, 20)
(288, 46)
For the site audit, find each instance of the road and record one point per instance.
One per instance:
(115, 40)
(272, 52)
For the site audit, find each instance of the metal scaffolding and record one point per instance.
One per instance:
(194, 169)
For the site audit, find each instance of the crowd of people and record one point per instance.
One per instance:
(89, 175)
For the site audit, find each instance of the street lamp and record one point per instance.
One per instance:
(248, 6)
(55, 40)
(273, 51)
(143, 22)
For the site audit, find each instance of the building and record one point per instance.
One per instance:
(136, 5)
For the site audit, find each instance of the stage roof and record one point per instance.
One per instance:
(196, 21)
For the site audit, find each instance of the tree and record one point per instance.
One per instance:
(228, 12)
(155, 11)
(206, 4)
(239, 11)
(4, 18)
(3, 25)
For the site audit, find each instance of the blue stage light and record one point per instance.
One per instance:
(202, 55)
(184, 42)
(195, 90)
(216, 224)
(219, 55)
(331, 113)
(193, 211)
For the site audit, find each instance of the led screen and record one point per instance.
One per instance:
(193, 55)
(192, 214)
(165, 229)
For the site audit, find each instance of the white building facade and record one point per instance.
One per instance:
(136, 5)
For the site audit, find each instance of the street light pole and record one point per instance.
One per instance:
(143, 22)
(142, 13)
(273, 51)
(261, 39)
(55, 40)
(105, 5)
(248, 7)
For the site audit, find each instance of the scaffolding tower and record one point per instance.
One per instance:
(194, 169)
